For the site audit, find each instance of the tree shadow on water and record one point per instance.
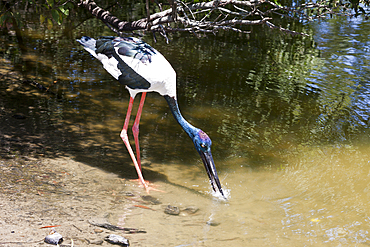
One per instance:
(35, 124)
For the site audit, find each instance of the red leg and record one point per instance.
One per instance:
(124, 138)
(135, 128)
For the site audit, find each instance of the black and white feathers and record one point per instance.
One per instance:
(134, 64)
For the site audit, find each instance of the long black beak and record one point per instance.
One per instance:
(209, 164)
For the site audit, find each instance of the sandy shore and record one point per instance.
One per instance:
(63, 193)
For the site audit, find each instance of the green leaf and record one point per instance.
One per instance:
(55, 15)
(64, 10)
(277, 3)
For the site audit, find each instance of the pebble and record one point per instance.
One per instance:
(96, 242)
(213, 223)
(191, 210)
(172, 210)
(116, 239)
(53, 238)
(151, 199)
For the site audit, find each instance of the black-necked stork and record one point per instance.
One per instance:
(143, 69)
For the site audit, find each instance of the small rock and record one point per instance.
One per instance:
(130, 194)
(53, 238)
(96, 242)
(116, 239)
(213, 223)
(191, 210)
(151, 199)
(172, 210)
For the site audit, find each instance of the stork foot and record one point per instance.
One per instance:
(147, 185)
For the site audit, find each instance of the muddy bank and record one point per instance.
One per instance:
(80, 200)
(63, 193)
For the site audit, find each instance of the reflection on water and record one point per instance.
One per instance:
(288, 118)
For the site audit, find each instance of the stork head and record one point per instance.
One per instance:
(202, 144)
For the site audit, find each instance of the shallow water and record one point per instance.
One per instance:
(289, 120)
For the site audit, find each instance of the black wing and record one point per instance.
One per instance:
(127, 47)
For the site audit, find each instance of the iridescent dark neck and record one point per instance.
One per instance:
(188, 128)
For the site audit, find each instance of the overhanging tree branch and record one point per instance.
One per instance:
(212, 16)
(115, 23)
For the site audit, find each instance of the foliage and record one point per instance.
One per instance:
(195, 16)
(50, 11)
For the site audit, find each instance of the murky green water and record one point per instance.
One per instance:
(288, 116)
